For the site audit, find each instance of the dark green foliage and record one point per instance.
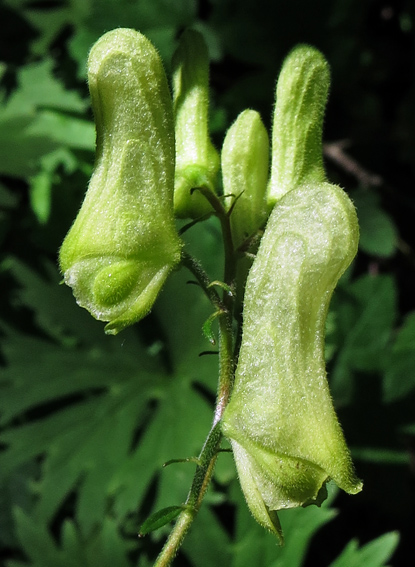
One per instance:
(87, 421)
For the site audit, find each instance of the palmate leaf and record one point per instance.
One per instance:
(80, 408)
(54, 308)
(39, 117)
(376, 553)
(176, 429)
(88, 443)
(378, 233)
(90, 400)
(255, 546)
(365, 313)
(105, 548)
(185, 307)
(104, 401)
(399, 377)
(208, 544)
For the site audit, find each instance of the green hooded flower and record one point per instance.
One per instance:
(244, 157)
(301, 97)
(123, 243)
(197, 161)
(286, 438)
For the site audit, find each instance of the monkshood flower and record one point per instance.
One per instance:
(197, 161)
(244, 158)
(286, 438)
(281, 422)
(123, 243)
(300, 101)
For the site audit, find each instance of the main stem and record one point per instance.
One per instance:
(208, 455)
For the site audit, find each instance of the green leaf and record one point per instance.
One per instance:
(160, 519)
(19, 153)
(38, 88)
(208, 544)
(42, 183)
(48, 20)
(185, 307)
(399, 376)
(102, 390)
(207, 327)
(374, 554)
(380, 456)
(365, 314)
(378, 233)
(104, 548)
(55, 311)
(37, 541)
(176, 429)
(40, 195)
(16, 492)
(255, 546)
(160, 21)
(63, 130)
(38, 118)
(104, 401)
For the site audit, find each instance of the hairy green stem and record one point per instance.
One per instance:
(230, 259)
(226, 365)
(203, 279)
(200, 484)
(208, 455)
(175, 539)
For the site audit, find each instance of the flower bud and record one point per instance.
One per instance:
(286, 438)
(301, 97)
(245, 174)
(197, 161)
(123, 243)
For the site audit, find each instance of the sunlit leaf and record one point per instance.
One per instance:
(374, 554)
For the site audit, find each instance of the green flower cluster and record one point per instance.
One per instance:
(153, 151)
